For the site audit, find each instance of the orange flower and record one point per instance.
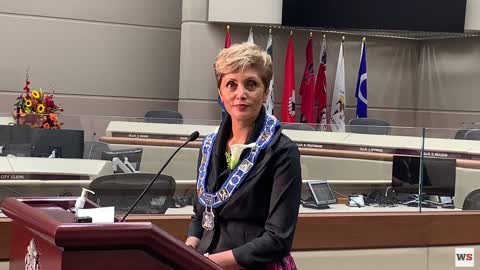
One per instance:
(53, 117)
(46, 125)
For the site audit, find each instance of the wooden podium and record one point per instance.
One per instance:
(45, 237)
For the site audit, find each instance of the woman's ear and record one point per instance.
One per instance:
(220, 94)
(266, 93)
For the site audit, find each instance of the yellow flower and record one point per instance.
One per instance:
(35, 94)
(40, 108)
(28, 103)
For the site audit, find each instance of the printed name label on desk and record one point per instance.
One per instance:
(22, 176)
(149, 136)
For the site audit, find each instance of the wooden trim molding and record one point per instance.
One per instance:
(364, 230)
(343, 231)
(335, 153)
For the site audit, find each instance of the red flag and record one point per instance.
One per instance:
(307, 88)
(288, 99)
(321, 88)
(228, 40)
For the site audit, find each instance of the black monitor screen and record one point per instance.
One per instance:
(438, 175)
(66, 143)
(15, 140)
(405, 15)
(321, 192)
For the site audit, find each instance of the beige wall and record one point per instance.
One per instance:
(127, 52)
(448, 78)
(472, 20)
(246, 11)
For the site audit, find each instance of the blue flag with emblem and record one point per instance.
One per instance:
(361, 90)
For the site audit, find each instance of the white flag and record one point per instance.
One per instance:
(337, 118)
(250, 37)
(269, 103)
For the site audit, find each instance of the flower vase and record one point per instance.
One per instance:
(33, 120)
(37, 120)
(28, 119)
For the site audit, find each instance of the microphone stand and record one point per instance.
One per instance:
(91, 146)
(18, 115)
(192, 137)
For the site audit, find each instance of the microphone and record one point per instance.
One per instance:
(191, 138)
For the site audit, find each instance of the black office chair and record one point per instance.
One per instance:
(121, 190)
(472, 201)
(473, 134)
(460, 134)
(166, 117)
(369, 126)
(298, 126)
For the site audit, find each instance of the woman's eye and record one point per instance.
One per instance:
(251, 84)
(231, 84)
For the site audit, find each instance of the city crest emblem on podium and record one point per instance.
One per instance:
(32, 258)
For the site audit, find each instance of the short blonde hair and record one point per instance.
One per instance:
(240, 57)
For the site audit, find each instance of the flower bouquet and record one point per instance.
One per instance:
(36, 109)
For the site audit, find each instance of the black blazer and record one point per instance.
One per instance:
(258, 222)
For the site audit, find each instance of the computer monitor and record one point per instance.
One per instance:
(133, 155)
(67, 143)
(15, 140)
(321, 192)
(438, 175)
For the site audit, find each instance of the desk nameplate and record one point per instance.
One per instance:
(30, 176)
(464, 160)
(386, 150)
(134, 135)
(326, 146)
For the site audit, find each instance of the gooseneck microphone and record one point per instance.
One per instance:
(191, 138)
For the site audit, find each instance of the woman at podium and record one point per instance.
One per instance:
(246, 207)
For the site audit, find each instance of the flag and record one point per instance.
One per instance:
(228, 42)
(228, 39)
(250, 36)
(339, 101)
(361, 90)
(321, 88)
(269, 103)
(288, 99)
(307, 88)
